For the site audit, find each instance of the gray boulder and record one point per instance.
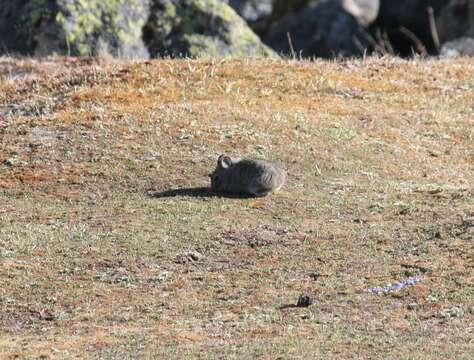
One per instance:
(325, 29)
(282, 8)
(455, 20)
(365, 11)
(24, 22)
(463, 46)
(75, 27)
(257, 13)
(456, 28)
(252, 10)
(197, 28)
(126, 28)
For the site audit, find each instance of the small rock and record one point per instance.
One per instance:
(195, 256)
(48, 316)
(10, 162)
(189, 256)
(454, 312)
(160, 278)
(304, 301)
(14, 161)
(315, 276)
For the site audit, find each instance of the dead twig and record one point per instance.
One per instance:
(290, 44)
(420, 48)
(433, 29)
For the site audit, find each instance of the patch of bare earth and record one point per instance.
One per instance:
(110, 247)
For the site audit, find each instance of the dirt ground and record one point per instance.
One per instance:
(111, 245)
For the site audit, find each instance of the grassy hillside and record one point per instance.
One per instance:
(111, 247)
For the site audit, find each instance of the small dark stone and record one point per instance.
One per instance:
(9, 162)
(315, 276)
(304, 301)
(48, 316)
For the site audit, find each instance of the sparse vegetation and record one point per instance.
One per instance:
(98, 259)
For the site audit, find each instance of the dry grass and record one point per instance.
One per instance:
(97, 259)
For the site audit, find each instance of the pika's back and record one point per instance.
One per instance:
(244, 175)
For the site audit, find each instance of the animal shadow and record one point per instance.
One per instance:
(202, 192)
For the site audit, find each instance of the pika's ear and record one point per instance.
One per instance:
(224, 161)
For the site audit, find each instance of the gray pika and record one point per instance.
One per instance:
(246, 176)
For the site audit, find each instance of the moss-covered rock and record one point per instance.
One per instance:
(76, 27)
(200, 28)
(112, 26)
(92, 27)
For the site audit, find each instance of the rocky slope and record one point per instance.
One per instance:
(236, 28)
(128, 29)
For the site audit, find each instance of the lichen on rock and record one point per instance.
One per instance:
(192, 28)
(95, 26)
(200, 28)
(74, 27)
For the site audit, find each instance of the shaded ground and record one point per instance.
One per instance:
(111, 247)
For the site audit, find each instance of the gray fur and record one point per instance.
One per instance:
(246, 176)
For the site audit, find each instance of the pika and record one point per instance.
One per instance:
(246, 176)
